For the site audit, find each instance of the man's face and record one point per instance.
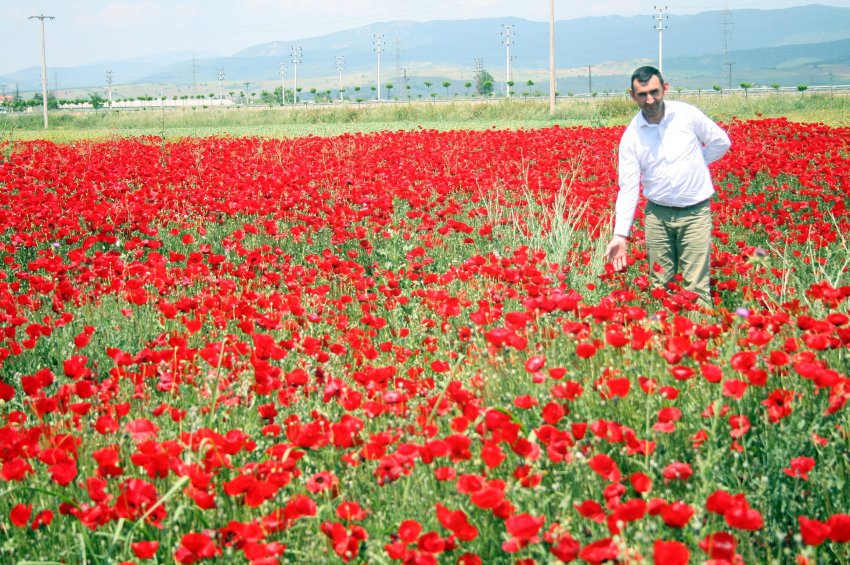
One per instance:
(650, 98)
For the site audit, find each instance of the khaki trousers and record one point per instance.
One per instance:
(678, 241)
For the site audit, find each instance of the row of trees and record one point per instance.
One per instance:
(483, 87)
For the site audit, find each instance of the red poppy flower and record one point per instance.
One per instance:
(719, 545)
(605, 467)
(20, 515)
(800, 467)
(144, 549)
(670, 553)
(194, 547)
(813, 532)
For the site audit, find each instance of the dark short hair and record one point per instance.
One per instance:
(644, 74)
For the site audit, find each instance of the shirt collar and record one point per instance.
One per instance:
(641, 121)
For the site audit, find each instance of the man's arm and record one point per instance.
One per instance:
(627, 197)
(715, 141)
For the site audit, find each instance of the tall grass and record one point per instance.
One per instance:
(368, 117)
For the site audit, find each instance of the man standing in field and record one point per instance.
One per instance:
(666, 149)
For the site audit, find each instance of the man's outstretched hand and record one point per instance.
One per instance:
(615, 253)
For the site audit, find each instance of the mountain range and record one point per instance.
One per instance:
(807, 44)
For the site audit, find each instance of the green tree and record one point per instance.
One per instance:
(97, 101)
(746, 86)
(776, 86)
(802, 88)
(270, 98)
(467, 85)
(52, 103)
(719, 89)
(446, 85)
(389, 87)
(484, 83)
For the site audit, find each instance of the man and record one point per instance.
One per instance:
(667, 148)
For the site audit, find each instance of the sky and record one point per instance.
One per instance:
(98, 31)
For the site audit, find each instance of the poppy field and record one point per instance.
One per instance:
(405, 347)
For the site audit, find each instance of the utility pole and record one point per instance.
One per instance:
(552, 84)
(247, 93)
(340, 66)
(507, 29)
(659, 26)
(281, 70)
(379, 48)
(194, 76)
(397, 58)
(295, 58)
(43, 65)
(727, 23)
(109, 86)
(220, 86)
(404, 73)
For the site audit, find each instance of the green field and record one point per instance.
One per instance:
(833, 110)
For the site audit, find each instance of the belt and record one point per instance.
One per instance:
(680, 208)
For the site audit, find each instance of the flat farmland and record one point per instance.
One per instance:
(405, 347)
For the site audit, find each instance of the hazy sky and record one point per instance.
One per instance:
(96, 31)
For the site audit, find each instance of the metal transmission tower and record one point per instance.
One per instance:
(659, 26)
(379, 48)
(727, 24)
(340, 66)
(194, 76)
(220, 85)
(507, 31)
(281, 70)
(295, 58)
(109, 86)
(43, 65)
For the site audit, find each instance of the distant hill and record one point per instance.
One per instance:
(809, 44)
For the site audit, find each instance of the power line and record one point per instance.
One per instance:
(552, 84)
(727, 24)
(659, 26)
(295, 57)
(220, 86)
(507, 30)
(340, 66)
(379, 48)
(397, 57)
(43, 65)
(109, 86)
(194, 76)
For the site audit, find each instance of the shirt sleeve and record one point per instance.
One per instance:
(629, 182)
(715, 141)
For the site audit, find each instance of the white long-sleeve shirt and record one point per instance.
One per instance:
(670, 160)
